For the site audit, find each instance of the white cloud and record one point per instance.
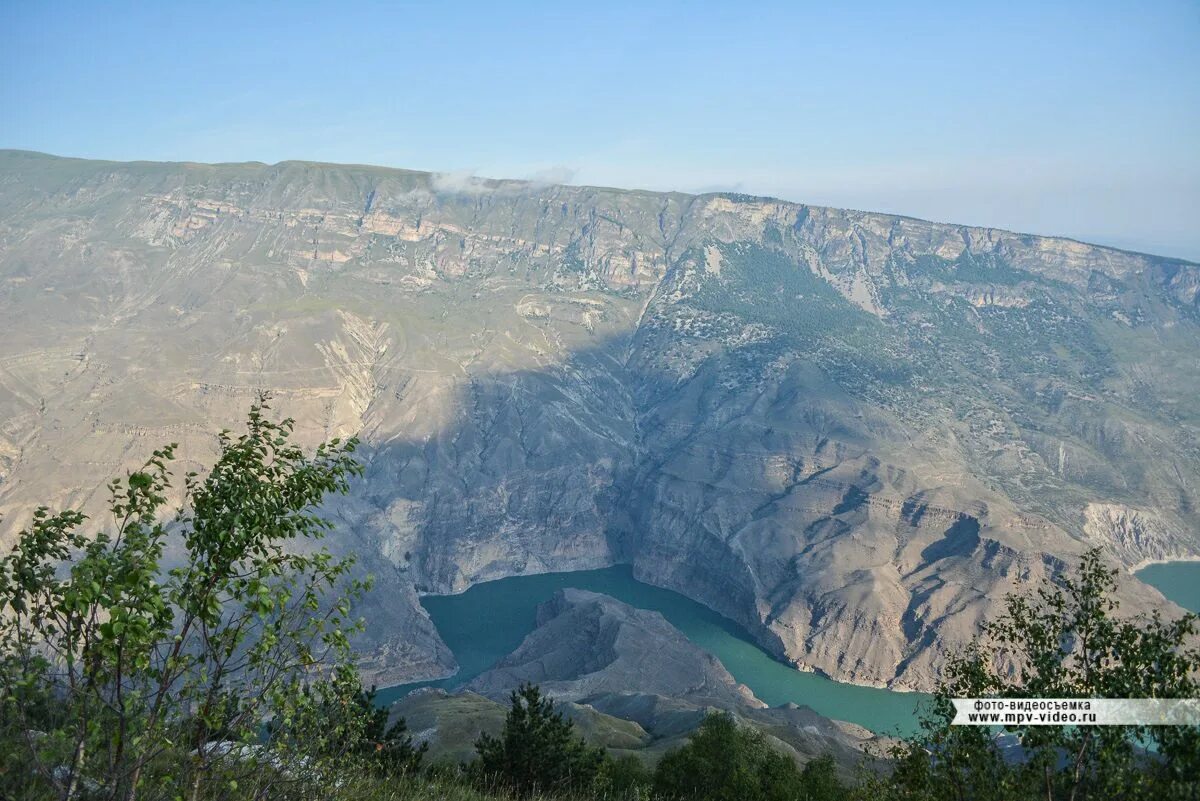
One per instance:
(459, 182)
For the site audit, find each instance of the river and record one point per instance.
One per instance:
(488, 621)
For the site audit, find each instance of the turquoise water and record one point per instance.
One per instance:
(1179, 581)
(490, 620)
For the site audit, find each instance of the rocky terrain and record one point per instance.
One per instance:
(850, 432)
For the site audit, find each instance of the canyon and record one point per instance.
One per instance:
(851, 433)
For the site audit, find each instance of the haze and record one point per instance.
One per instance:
(1077, 120)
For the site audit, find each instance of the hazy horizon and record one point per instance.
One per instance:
(1078, 120)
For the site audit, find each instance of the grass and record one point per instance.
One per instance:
(432, 789)
(421, 787)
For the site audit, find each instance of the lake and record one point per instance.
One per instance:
(488, 621)
(1178, 581)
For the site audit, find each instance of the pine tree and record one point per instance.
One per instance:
(538, 750)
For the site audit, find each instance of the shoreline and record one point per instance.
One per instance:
(1145, 563)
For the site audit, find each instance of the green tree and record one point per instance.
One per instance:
(727, 762)
(537, 751)
(1067, 642)
(120, 678)
(337, 719)
(625, 777)
(820, 780)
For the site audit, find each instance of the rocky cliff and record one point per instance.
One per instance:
(851, 432)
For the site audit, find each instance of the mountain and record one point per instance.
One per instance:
(852, 433)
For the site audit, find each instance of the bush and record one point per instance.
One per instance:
(335, 723)
(625, 777)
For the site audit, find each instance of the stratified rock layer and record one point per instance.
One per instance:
(850, 432)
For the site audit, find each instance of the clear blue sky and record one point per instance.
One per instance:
(1076, 118)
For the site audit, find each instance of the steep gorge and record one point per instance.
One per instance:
(850, 432)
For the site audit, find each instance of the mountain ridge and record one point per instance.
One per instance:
(529, 182)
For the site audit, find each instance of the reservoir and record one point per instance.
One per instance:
(488, 621)
(1178, 581)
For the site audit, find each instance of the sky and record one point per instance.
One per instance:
(1072, 118)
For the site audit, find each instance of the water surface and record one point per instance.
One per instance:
(1178, 581)
(488, 621)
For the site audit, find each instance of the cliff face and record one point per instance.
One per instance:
(851, 432)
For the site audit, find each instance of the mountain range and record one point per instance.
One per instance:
(852, 433)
